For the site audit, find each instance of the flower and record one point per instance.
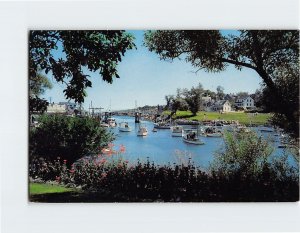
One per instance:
(72, 171)
(103, 175)
(110, 145)
(102, 160)
(65, 161)
(122, 148)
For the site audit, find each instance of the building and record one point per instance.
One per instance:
(56, 108)
(221, 106)
(245, 103)
(61, 107)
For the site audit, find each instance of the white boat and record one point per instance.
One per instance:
(154, 130)
(124, 127)
(177, 131)
(111, 122)
(162, 125)
(142, 131)
(215, 135)
(104, 125)
(191, 137)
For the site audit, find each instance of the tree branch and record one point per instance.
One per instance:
(239, 63)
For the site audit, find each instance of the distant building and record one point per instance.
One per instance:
(222, 106)
(61, 107)
(206, 99)
(56, 108)
(245, 103)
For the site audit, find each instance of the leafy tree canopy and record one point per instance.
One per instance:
(82, 51)
(265, 51)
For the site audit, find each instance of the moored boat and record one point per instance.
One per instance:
(162, 125)
(111, 122)
(177, 131)
(142, 131)
(124, 127)
(191, 138)
(212, 132)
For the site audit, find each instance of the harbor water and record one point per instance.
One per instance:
(163, 149)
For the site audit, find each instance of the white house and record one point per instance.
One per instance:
(61, 107)
(245, 103)
(221, 105)
(56, 108)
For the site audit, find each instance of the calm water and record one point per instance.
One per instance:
(161, 148)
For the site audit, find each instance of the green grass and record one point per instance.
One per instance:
(243, 118)
(37, 188)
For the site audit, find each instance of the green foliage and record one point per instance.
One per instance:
(193, 98)
(264, 51)
(96, 51)
(37, 86)
(111, 182)
(37, 104)
(67, 137)
(287, 79)
(244, 153)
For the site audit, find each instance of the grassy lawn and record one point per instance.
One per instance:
(37, 188)
(243, 118)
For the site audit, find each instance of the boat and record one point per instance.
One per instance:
(111, 122)
(104, 125)
(191, 137)
(162, 125)
(124, 127)
(142, 131)
(154, 130)
(177, 131)
(213, 132)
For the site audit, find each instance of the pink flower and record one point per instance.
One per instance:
(103, 175)
(65, 161)
(102, 160)
(72, 171)
(122, 149)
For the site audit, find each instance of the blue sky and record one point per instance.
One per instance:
(147, 79)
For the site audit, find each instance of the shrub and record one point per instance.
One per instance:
(67, 137)
(107, 177)
(244, 152)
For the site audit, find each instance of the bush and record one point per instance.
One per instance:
(245, 153)
(69, 138)
(242, 171)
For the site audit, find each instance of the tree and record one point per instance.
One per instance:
(263, 51)
(193, 98)
(70, 55)
(287, 79)
(242, 94)
(69, 138)
(179, 103)
(168, 99)
(220, 92)
(37, 86)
